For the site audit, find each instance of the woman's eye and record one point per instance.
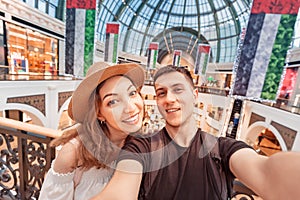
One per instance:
(112, 102)
(160, 94)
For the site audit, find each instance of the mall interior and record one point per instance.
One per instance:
(45, 52)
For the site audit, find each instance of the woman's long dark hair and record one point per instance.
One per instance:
(95, 148)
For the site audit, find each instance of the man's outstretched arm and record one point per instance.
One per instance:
(276, 177)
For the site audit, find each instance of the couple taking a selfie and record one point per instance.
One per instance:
(105, 156)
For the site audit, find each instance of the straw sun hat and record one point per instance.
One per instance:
(97, 73)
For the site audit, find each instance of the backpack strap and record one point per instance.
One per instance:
(221, 183)
(156, 160)
(156, 151)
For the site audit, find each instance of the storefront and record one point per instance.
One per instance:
(28, 51)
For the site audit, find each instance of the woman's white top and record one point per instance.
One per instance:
(61, 186)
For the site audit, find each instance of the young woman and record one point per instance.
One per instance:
(107, 107)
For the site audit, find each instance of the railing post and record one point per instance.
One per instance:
(22, 166)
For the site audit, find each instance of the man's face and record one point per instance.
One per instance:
(175, 98)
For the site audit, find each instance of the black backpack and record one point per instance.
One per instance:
(222, 184)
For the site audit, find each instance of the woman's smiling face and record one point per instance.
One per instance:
(121, 106)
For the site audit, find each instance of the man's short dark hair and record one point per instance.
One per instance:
(171, 68)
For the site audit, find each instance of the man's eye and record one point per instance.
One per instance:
(177, 90)
(132, 93)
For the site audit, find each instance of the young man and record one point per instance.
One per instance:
(175, 163)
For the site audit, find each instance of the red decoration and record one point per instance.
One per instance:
(275, 6)
(83, 4)
(112, 28)
(153, 46)
(204, 48)
(177, 52)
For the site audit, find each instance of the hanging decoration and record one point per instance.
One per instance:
(202, 59)
(111, 42)
(288, 83)
(259, 67)
(152, 55)
(177, 57)
(80, 34)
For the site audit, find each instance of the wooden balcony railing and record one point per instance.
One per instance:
(213, 90)
(25, 157)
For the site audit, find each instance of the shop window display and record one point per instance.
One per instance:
(153, 121)
(267, 143)
(30, 52)
(215, 112)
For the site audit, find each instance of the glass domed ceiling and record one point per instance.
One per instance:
(176, 25)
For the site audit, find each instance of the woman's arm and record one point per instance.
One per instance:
(66, 160)
(59, 181)
(125, 182)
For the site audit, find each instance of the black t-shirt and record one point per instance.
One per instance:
(184, 174)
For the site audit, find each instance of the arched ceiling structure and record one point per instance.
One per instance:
(176, 25)
(178, 38)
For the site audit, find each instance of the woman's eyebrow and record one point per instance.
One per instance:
(108, 95)
(112, 94)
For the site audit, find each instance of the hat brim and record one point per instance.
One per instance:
(79, 104)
